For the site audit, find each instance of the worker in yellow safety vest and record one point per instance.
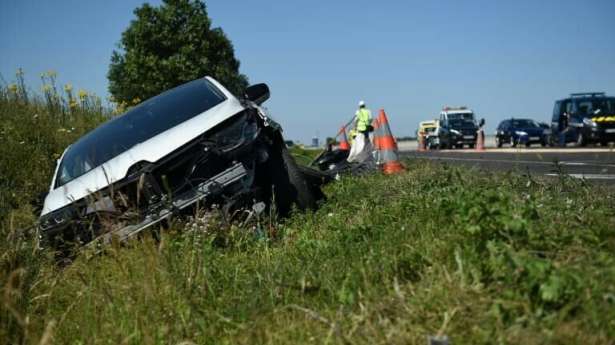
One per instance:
(363, 120)
(361, 149)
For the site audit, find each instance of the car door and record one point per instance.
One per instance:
(556, 118)
(445, 136)
(500, 131)
(504, 131)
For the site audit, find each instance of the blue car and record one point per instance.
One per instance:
(520, 132)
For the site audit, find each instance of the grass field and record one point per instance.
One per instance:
(481, 257)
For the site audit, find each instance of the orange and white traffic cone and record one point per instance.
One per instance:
(480, 140)
(387, 147)
(344, 146)
(422, 142)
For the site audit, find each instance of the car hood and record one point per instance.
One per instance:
(531, 131)
(150, 151)
(464, 127)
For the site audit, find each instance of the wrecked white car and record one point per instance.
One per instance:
(196, 144)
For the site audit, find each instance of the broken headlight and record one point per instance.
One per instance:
(234, 132)
(58, 217)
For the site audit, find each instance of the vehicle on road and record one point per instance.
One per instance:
(591, 119)
(196, 144)
(520, 132)
(458, 127)
(429, 131)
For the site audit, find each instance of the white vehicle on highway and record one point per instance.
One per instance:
(196, 143)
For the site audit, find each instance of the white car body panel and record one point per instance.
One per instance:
(151, 151)
(456, 111)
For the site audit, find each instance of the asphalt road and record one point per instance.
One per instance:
(594, 164)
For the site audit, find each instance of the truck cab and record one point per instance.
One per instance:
(584, 118)
(458, 127)
(429, 130)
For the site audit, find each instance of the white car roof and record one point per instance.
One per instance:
(457, 111)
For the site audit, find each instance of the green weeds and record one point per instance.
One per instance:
(484, 258)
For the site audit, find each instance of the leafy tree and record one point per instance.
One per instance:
(169, 45)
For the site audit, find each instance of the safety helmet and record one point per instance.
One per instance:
(361, 103)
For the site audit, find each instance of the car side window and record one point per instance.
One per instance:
(568, 107)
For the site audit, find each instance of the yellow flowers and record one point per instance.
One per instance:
(82, 94)
(58, 98)
(51, 74)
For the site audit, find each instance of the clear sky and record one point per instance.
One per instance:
(501, 58)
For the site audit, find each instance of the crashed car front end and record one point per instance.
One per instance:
(220, 165)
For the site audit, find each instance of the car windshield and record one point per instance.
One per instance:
(139, 124)
(600, 106)
(524, 124)
(461, 119)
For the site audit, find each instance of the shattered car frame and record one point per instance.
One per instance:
(196, 144)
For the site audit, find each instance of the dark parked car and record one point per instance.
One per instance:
(584, 118)
(196, 144)
(457, 128)
(520, 132)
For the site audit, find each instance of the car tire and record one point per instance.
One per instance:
(513, 143)
(290, 187)
(498, 142)
(528, 144)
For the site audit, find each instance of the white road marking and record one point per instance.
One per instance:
(541, 150)
(573, 163)
(509, 161)
(589, 176)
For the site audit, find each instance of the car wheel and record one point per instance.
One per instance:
(543, 143)
(513, 143)
(498, 142)
(289, 185)
(528, 144)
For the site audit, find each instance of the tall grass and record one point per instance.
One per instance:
(35, 128)
(484, 258)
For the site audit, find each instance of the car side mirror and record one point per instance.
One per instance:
(257, 93)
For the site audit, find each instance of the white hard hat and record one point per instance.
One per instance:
(361, 103)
